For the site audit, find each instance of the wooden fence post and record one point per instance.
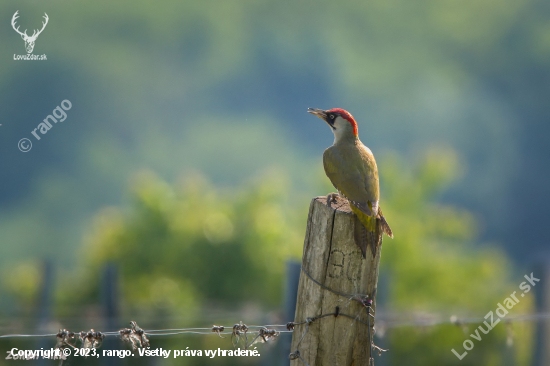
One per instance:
(332, 258)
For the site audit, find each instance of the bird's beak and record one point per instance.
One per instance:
(318, 112)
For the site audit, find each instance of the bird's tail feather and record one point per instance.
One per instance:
(360, 235)
(384, 224)
(369, 231)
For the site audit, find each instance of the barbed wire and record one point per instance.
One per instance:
(430, 320)
(421, 321)
(137, 337)
(366, 300)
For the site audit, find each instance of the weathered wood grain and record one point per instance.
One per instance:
(332, 258)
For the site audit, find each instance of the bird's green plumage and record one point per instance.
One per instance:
(352, 169)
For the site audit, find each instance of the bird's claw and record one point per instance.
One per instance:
(332, 197)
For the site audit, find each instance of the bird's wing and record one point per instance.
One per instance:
(355, 175)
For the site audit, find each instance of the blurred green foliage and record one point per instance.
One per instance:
(433, 268)
(152, 84)
(181, 246)
(221, 88)
(187, 248)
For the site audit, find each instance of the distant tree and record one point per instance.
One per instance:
(189, 244)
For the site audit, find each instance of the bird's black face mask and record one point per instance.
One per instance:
(326, 116)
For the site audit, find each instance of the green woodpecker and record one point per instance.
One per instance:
(351, 168)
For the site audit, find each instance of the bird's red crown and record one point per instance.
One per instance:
(347, 116)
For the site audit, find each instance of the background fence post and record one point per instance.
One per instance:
(291, 289)
(44, 307)
(110, 305)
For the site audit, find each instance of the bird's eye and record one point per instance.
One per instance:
(332, 116)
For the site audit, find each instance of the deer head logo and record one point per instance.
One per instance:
(29, 40)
